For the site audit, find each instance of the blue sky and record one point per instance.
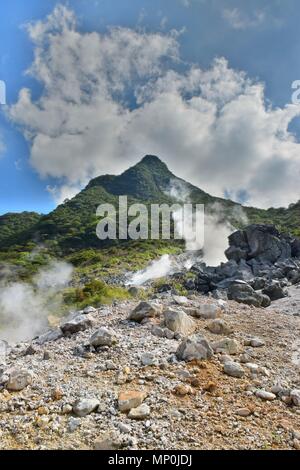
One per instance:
(261, 39)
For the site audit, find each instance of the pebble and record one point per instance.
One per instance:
(234, 369)
(264, 395)
(141, 412)
(85, 406)
(130, 399)
(73, 424)
(243, 412)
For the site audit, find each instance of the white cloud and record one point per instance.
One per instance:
(240, 20)
(212, 127)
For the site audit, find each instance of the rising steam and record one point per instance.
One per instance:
(25, 307)
(210, 248)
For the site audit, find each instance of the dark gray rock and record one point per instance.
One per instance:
(274, 291)
(79, 323)
(243, 293)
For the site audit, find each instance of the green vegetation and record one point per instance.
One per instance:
(95, 293)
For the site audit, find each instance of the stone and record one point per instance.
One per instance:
(179, 322)
(103, 337)
(148, 359)
(67, 409)
(254, 368)
(180, 299)
(89, 309)
(295, 396)
(244, 412)
(194, 347)
(234, 369)
(124, 428)
(85, 406)
(182, 390)
(274, 291)
(49, 336)
(145, 310)
(260, 242)
(242, 292)
(264, 395)
(296, 444)
(46, 356)
(219, 327)
(73, 424)
(134, 291)
(57, 394)
(141, 412)
(30, 351)
(79, 323)
(19, 379)
(257, 343)
(227, 346)
(206, 311)
(130, 399)
(162, 332)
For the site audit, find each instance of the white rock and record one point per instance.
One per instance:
(257, 343)
(264, 395)
(141, 412)
(179, 322)
(227, 346)
(85, 406)
(124, 428)
(208, 311)
(88, 310)
(254, 368)
(180, 299)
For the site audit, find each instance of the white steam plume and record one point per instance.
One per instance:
(156, 269)
(210, 249)
(24, 307)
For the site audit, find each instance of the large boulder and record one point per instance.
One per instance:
(179, 322)
(219, 327)
(79, 323)
(205, 311)
(49, 336)
(194, 347)
(274, 291)
(242, 292)
(227, 346)
(103, 337)
(144, 310)
(18, 379)
(262, 242)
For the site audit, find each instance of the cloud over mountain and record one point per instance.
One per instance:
(108, 98)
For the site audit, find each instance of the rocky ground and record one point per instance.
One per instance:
(172, 373)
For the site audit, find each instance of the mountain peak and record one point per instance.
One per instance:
(151, 159)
